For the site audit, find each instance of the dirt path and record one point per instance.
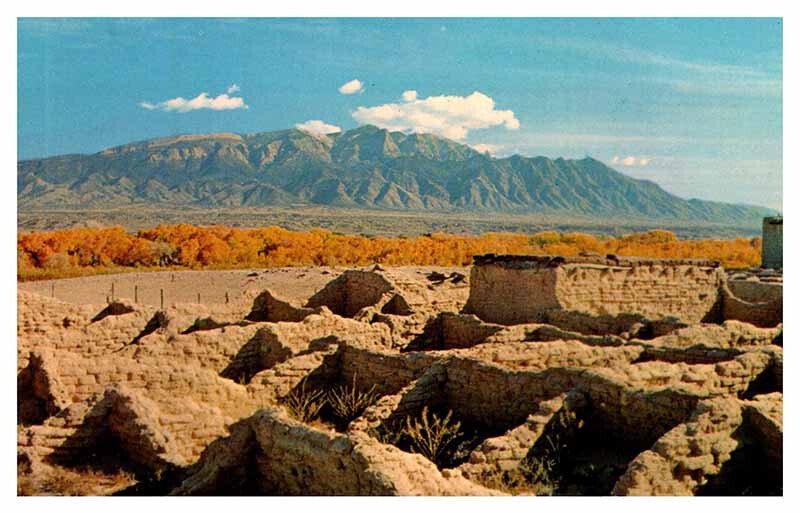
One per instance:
(183, 286)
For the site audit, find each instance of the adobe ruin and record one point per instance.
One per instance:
(772, 243)
(562, 375)
(515, 289)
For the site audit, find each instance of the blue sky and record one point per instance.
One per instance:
(692, 104)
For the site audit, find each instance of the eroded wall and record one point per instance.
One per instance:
(523, 291)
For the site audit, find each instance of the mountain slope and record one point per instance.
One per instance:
(366, 167)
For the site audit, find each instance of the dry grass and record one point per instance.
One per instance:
(348, 402)
(56, 480)
(515, 482)
(304, 405)
(432, 437)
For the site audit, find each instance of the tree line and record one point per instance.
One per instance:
(80, 251)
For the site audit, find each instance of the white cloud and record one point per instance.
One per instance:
(201, 101)
(317, 127)
(409, 96)
(449, 116)
(631, 161)
(687, 76)
(486, 148)
(352, 87)
(234, 88)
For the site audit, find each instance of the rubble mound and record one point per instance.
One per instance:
(534, 375)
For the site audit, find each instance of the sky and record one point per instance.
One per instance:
(692, 104)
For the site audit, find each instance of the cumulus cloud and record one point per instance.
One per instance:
(352, 87)
(201, 101)
(234, 88)
(409, 96)
(486, 148)
(317, 127)
(449, 116)
(631, 161)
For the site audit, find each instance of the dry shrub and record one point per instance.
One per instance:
(57, 480)
(304, 405)
(348, 402)
(57, 261)
(514, 482)
(432, 437)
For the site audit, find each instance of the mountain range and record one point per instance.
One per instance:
(366, 167)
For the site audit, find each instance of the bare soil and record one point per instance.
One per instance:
(292, 283)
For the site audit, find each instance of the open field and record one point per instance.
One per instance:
(518, 375)
(385, 223)
(293, 283)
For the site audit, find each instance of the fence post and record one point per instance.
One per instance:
(52, 290)
(162, 299)
(227, 299)
(198, 298)
(112, 291)
(135, 293)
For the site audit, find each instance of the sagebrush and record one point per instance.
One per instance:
(349, 402)
(432, 436)
(304, 405)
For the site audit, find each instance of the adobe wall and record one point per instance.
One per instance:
(640, 382)
(291, 458)
(208, 403)
(755, 302)
(516, 290)
(395, 291)
(388, 371)
(350, 292)
(691, 455)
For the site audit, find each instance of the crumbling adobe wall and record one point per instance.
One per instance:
(388, 371)
(559, 353)
(207, 402)
(640, 400)
(207, 349)
(760, 304)
(389, 292)
(276, 342)
(351, 291)
(450, 330)
(279, 380)
(626, 325)
(687, 292)
(764, 418)
(392, 409)
(507, 451)
(511, 295)
(754, 291)
(696, 453)
(269, 308)
(638, 377)
(516, 290)
(496, 397)
(709, 343)
(47, 322)
(127, 415)
(292, 458)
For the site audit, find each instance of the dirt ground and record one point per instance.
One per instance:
(184, 286)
